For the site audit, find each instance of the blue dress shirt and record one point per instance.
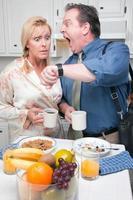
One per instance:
(110, 69)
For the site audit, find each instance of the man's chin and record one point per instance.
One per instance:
(73, 50)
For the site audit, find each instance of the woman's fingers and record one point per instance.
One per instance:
(49, 76)
(27, 124)
(35, 115)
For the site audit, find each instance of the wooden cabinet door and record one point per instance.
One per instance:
(59, 6)
(109, 8)
(18, 11)
(2, 32)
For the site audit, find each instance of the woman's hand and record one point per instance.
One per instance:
(49, 76)
(35, 116)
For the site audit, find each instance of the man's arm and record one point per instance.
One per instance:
(50, 74)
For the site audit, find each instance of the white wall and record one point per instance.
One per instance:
(64, 51)
(6, 60)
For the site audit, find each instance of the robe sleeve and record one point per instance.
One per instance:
(14, 116)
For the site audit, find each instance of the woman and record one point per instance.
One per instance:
(22, 96)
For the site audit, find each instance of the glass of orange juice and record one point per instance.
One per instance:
(8, 167)
(89, 165)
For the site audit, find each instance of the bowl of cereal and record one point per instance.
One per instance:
(47, 144)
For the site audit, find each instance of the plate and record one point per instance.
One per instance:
(47, 144)
(92, 145)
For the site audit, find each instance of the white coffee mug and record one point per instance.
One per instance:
(50, 117)
(78, 120)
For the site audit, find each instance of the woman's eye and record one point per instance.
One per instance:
(37, 39)
(47, 37)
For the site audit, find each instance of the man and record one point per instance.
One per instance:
(97, 72)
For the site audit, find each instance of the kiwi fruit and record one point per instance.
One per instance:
(48, 158)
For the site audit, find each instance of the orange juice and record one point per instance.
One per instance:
(8, 167)
(89, 168)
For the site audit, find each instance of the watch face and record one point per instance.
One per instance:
(60, 69)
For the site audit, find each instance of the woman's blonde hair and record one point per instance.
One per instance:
(28, 29)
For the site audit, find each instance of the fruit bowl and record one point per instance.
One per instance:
(28, 191)
(47, 144)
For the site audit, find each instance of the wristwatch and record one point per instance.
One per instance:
(60, 69)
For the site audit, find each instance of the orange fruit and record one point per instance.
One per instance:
(89, 168)
(40, 173)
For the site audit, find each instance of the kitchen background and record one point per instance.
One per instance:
(116, 18)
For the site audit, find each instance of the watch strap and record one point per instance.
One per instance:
(60, 69)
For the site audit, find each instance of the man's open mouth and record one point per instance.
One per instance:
(67, 39)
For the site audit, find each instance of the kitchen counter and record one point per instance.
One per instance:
(109, 187)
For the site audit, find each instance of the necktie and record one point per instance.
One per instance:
(76, 89)
(72, 134)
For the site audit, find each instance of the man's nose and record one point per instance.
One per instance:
(62, 29)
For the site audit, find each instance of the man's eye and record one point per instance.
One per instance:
(67, 24)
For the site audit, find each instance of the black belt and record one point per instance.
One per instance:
(107, 132)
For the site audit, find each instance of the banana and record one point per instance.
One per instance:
(32, 154)
(20, 163)
(20, 158)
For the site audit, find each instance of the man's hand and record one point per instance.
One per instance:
(66, 109)
(49, 75)
(67, 113)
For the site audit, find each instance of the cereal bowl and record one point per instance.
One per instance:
(47, 144)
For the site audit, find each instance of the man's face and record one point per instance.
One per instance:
(72, 30)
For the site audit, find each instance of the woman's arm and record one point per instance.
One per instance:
(8, 111)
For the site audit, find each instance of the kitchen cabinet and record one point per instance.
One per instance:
(59, 6)
(2, 33)
(111, 13)
(112, 16)
(129, 36)
(17, 12)
(116, 17)
(107, 8)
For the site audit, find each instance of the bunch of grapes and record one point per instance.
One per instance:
(63, 174)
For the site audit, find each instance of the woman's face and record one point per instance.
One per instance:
(39, 43)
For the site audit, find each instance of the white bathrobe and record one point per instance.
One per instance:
(20, 87)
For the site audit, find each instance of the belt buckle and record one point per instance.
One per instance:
(104, 136)
(114, 95)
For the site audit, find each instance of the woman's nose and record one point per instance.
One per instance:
(44, 43)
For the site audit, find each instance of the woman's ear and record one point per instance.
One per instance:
(86, 28)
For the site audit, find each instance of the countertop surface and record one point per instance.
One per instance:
(109, 187)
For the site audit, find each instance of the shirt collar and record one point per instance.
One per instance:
(91, 46)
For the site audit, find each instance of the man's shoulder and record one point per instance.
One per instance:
(116, 43)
